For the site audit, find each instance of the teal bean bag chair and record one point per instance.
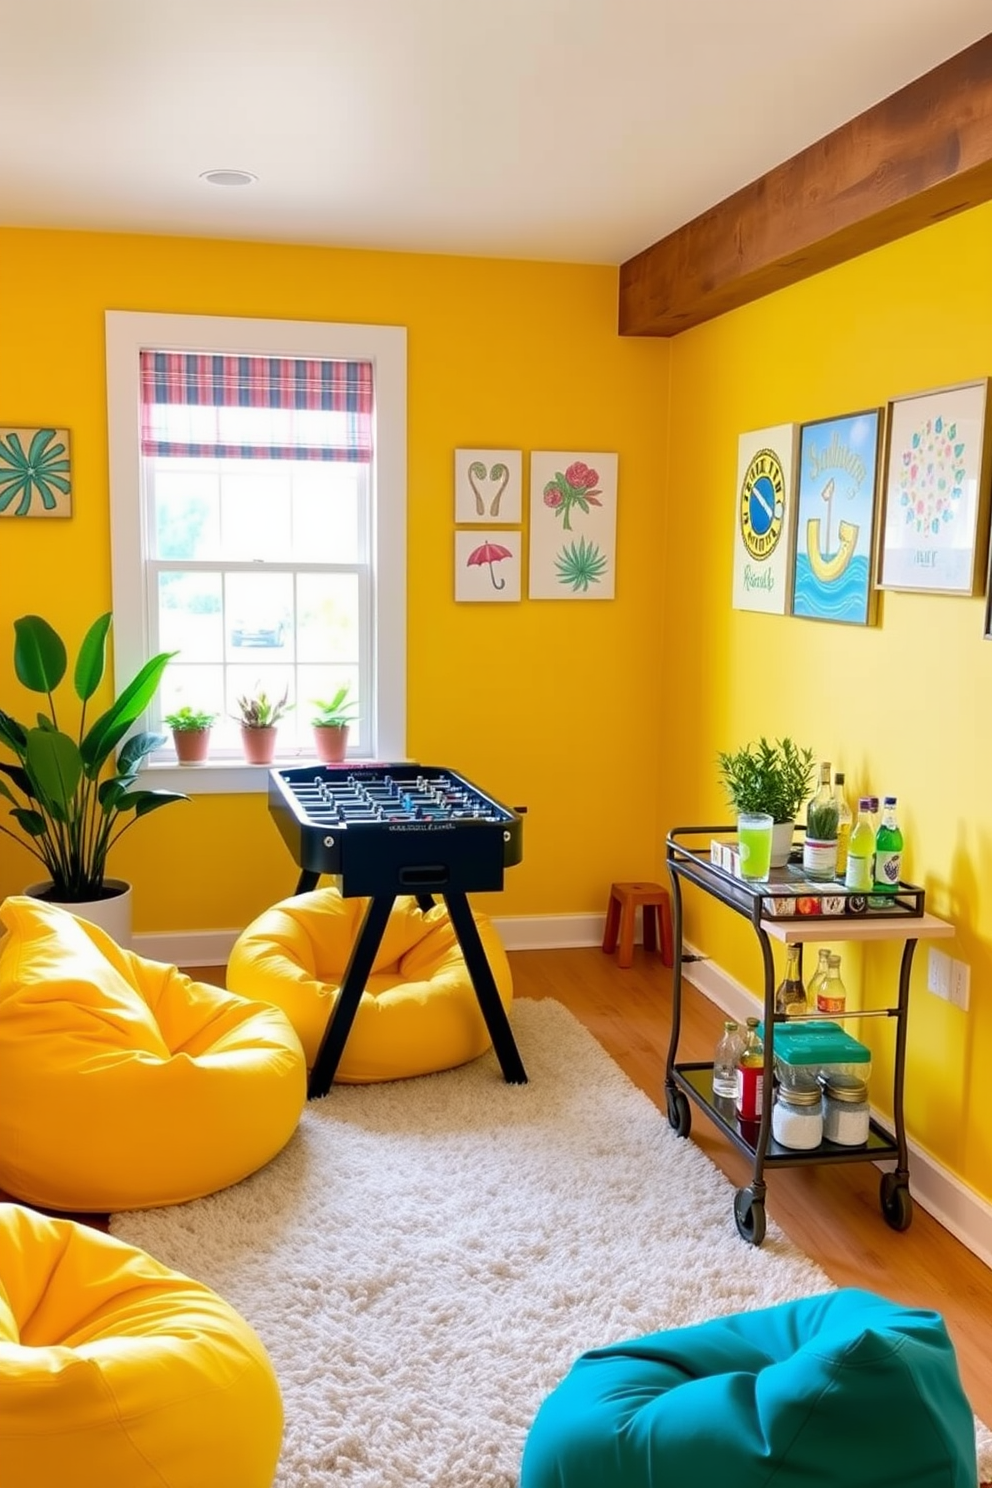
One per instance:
(847, 1390)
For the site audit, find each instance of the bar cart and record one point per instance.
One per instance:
(789, 908)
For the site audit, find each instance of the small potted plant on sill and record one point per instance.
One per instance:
(190, 733)
(330, 726)
(773, 777)
(258, 716)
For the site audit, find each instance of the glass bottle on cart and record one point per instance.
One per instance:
(831, 997)
(888, 852)
(751, 1074)
(790, 994)
(728, 1052)
(844, 823)
(859, 873)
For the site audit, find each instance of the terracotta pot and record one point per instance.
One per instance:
(259, 744)
(192, 745)
(112, 913)
(331, 742)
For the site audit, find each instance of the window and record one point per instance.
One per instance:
(258, 506)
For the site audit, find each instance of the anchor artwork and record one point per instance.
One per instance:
(838, 487)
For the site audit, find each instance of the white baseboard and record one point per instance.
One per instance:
(952, 1203)
(518, 933)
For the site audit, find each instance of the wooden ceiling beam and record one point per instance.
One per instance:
(920, 155)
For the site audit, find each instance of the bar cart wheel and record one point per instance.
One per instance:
(749, 1216)
(679, 1113)
(896, 1201)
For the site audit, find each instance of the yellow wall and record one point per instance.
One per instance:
(906, 706)
(554, 705)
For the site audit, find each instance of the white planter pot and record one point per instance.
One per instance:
(781, 843)
(112, 913)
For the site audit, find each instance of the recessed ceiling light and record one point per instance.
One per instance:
(228, 177)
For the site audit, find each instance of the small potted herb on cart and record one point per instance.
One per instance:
(330, 726)
(191, 733)
(773, 777)
(258, 716)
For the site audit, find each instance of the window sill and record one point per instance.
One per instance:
(228, 777)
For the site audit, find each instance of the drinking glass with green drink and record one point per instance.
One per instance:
(754, 843)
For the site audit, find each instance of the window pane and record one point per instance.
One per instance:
(318, 684)
(187, 512)
(197, 687)
(328, 618)
(190, 617)
(326, 505)
(273, 680)
(256, 511)
(259, 613)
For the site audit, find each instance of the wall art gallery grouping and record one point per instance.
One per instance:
(829, 512)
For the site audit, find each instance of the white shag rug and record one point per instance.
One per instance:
(426, 1258)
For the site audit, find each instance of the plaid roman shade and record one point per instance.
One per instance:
(255, 408)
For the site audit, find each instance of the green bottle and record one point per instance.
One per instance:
(888, 851)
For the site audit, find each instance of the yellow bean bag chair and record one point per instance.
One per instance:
(116, 1372)
(419, 1011)
(124, 1084)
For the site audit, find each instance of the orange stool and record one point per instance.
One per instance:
(620, 914)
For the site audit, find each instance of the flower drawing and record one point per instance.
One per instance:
(42, 468)
(578, 567)
(932, 478)
(574, 488)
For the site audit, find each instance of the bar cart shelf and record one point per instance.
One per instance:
(791, 910)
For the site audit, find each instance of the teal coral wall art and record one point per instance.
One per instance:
(34, 472)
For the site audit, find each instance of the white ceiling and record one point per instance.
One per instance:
(579, 130)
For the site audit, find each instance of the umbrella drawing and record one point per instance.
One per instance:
(489, 553)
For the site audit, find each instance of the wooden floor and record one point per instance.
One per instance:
(830, 1212)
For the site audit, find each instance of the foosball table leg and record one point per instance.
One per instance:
(350, 995)
(485, 989)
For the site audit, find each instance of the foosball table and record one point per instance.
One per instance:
(390, 829)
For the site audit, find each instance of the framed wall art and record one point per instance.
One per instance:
(488, 486)
(935, 525)
(487, 566)
(573, 525)
(765, 519)
(35, 479)
(835, 535)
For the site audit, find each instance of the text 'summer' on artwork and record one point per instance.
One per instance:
(838, 485)
(765, 519)
(488, 485)
(573, 525)
(935, 528)
(34, 472)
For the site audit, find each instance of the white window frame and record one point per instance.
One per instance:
(130, 332)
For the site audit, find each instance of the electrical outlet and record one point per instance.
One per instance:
(939, 974)
(959, 984)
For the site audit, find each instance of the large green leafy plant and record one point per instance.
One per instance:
(78, 801)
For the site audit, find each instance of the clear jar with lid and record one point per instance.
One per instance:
(846, 1112)
(797, 1116)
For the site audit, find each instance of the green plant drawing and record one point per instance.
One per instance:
(42, 469)
(578, 567)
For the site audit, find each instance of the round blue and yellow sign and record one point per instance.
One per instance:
(762, 509)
